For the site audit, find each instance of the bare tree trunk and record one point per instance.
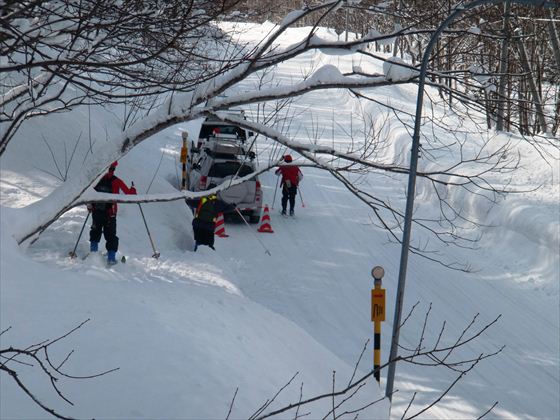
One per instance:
(488, 110)
(503, 68)
(487, 96)
(555, 40)
(556, 49)
(537, 56)
(521, 106)
(398, 40)
(509, 104)
(531, 80)
(556, 123)
(449, 56)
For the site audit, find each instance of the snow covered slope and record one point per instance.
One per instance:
(189, 329)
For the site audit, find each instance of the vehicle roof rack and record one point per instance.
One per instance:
(213, 118)
(218, 155)
(224, 146)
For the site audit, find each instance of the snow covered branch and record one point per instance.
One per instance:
(74, 54)
(38, 356)
(432, 356)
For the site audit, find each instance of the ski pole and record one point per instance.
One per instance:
(275, 189)
(72, 253)
(156, 253)
(301, 197)
(266, 251)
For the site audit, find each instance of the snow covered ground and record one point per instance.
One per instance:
(189, 329)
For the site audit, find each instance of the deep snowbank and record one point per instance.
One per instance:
(190, 328)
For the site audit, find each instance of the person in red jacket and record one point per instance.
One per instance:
(104, 215)
(291, 176)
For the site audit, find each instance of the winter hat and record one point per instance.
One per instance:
(113, 165)
(287, 158)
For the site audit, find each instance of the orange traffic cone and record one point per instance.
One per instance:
(220, 229)
(265, 222)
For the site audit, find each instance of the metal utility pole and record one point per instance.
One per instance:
(457, 11)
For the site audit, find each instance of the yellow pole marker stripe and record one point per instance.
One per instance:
(184, 162)
(377, 316)
(377, 350)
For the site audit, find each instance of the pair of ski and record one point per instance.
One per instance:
(85, 256)
(73, 254)
(123, 258)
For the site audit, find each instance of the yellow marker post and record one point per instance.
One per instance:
(377, 316)
(184, 153)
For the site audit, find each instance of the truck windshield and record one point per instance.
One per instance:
(223, 169)
(207, 129)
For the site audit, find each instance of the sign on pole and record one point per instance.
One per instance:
(378, 305)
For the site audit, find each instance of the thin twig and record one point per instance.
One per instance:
(232, 402)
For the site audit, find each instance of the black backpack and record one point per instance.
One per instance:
(104, 186)
(207, 211)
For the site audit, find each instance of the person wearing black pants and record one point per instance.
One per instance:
(291, 176)
(104, 215)
(204, 219)
(289, 195)
(104, 223)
